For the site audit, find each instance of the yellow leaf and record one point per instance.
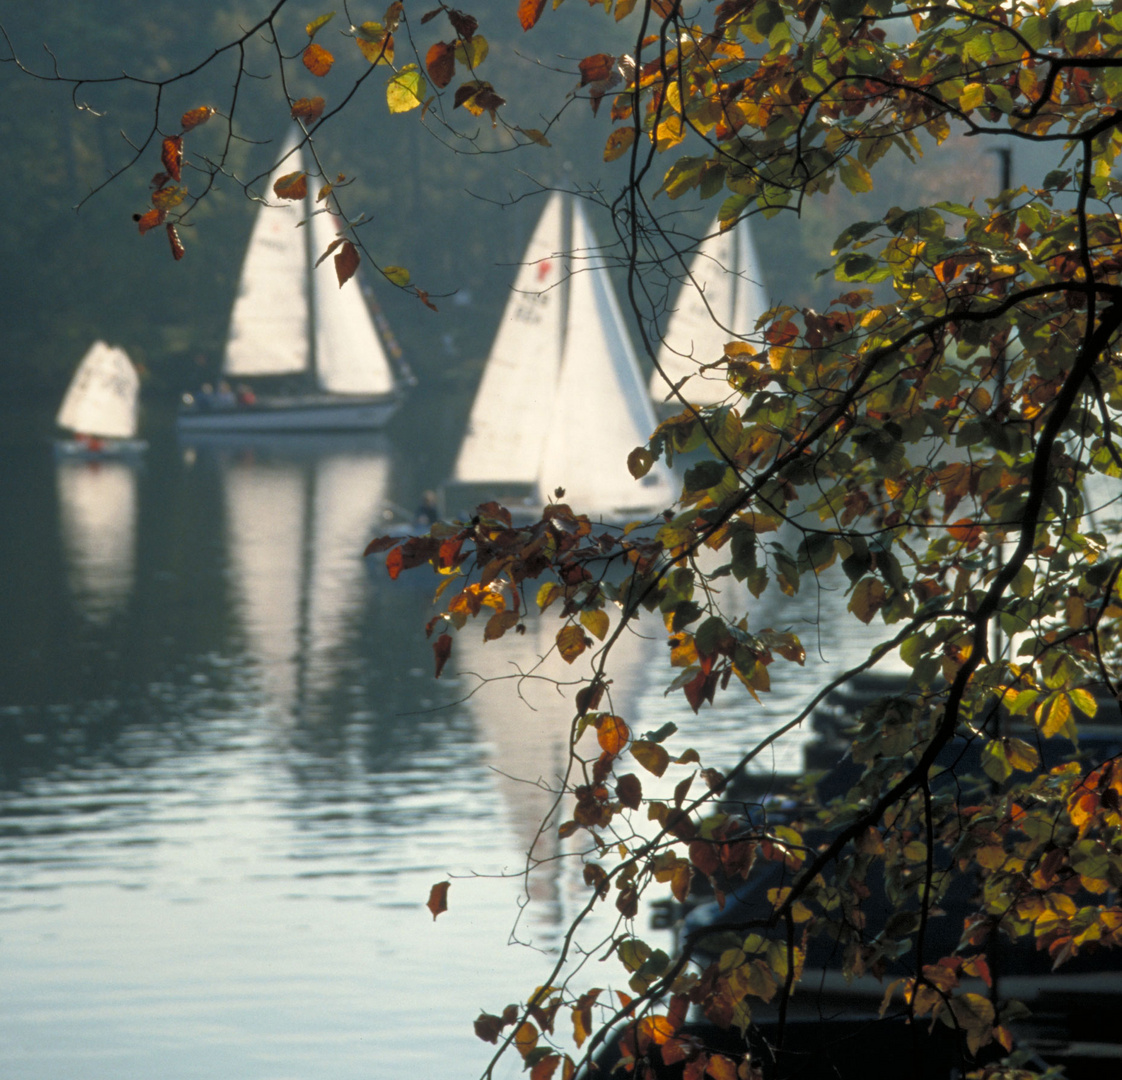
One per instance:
(403, 91)
(973, 95)
(595, 622)
(651, 756)
(619, 142)
(975, 1016)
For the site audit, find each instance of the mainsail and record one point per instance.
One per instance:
(720, 301)
(103, 396)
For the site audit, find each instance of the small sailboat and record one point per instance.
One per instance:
(101, 407)
(562, 402)
(306, 353)
(721, 300)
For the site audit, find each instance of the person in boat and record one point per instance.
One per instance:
(245, 395)
(225, 397)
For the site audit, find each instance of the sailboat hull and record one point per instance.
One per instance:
(294, 414)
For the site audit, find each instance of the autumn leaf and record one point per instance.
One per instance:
(529, 11)
(168, 197)
(440, 63)
(292, 186)
(438, 899)
(346, 262)
(536, 136)
(478, 98)
(376, 43)
(151, 220)
(194, 117)
(619, 142)
(177, 248)
(612, 734)
(318, 60)
(629, 791)
(441, 650)
(596, 68)
(403, 91)
(317, 24)
(571, 642)
(397, 275)
(171, 154)
(308, 109)
(596, 622)
(868, 598)
(651, 756)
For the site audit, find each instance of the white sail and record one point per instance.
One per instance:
(269, 324)
(720, 301)
(97, 521)
(601, 410)
(103, 396)
(349, 358)
(511, 408)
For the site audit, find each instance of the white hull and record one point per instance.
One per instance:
(294, 415)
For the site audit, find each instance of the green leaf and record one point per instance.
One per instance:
(404, 90)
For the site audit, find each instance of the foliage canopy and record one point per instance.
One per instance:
(936, 442)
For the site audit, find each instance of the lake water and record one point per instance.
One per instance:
(228, 778)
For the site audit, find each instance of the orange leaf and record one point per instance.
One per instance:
(546, 1067)
(150, 220)
(195, 117)
(438, 898)
(171, 154)
(293, 185)
(346, 262)
(177, 248)
(529, 11)
(441, 649)
(612, 734)
(308, 109)
(721, 1068)
(318, 60)
(440, 62)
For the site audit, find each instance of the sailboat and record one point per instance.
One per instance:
(721, 300)
(101, 406)
(562, 402)
(313, 345)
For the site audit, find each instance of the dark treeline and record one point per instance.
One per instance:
(447, 202)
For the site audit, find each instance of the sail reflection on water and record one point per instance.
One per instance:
(299, 512)
(97, 518)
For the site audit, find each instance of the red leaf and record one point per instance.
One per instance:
(529, 11)
(318, 60)
(395, 563)
(438, 898)
(346, 262)
(442, 649)
(308, 109)
(195, 117)
(172, 156)
(596, 68)
(151, 219)
(177, 248)
(440, 62)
